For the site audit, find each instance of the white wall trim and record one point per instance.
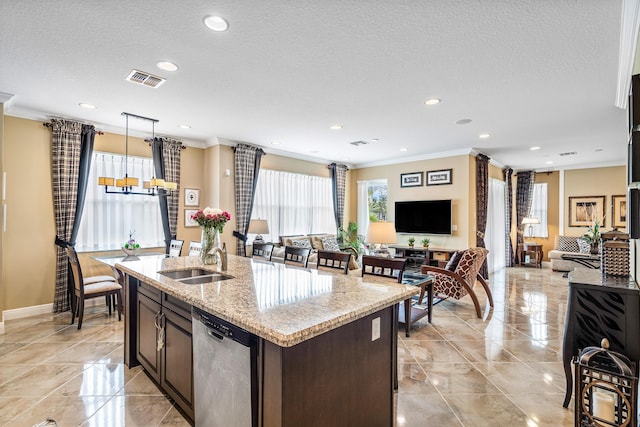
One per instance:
(561, 203)
(19, 313)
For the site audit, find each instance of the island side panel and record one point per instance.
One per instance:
(342, 377)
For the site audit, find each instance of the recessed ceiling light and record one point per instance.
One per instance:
(432, 101)
(599, 150)
(335, 127)
(464, 121)
(86, 105)
(549, 162)
(315, 151)
(166, 65)
(276, 143)
(534, 148)
(484, 136)
(216, 23)
(184, 126)
(375, 139)
(403, 149)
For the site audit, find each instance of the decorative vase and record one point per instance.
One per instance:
(595, 248)
(210, 240)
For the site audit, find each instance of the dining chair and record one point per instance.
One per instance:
(195, 248)
(175, 248)
(391, 268)
(296, 255)
(91, 290)
(262, 250)
(333, 260)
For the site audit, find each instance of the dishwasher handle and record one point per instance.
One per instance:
(214, 335)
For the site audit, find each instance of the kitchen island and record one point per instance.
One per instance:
(325, 350)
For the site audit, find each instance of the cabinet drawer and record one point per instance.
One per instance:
(177, 306)
(150, 291)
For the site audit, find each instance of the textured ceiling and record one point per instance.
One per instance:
(530, 73)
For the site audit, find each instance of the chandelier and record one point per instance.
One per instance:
(126, 185)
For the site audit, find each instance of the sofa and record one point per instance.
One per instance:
(568, 245)
(315, 242)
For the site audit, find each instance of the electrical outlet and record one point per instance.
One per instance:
(375, 329)
(454, 227)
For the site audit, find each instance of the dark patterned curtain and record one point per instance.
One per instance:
(247, 166)
(166, 162)
(338, 182)
(482, 195)
(507, 174)
(524, 194)
(71, 150)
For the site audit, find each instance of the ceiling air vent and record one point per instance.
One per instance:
(145, 79)
(358, 143)
(569, 153)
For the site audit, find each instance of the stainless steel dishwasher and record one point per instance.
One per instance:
(225, 373)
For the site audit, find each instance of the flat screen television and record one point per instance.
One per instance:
(423, 216)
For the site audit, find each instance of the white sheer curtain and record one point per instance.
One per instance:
(293, 204)
(108, 219)
(539, 210)
(494, 234)
(363, 207)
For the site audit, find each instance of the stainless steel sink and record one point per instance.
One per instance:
(195, 276)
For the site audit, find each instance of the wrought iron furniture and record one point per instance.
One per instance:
(334, 260)
(297, 256)
(92, 290)
(459, 282)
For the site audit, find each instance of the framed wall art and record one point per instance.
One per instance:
(191, 197)
(188, 222)
(585, 210)
(619, 211)
(440, 177)
(413, 179)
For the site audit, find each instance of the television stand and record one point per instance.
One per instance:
(418, 255)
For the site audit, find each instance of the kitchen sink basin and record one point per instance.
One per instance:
(195, 276)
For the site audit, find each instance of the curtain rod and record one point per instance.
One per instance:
(49, 125)
(182, 146)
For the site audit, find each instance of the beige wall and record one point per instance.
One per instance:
(463, 197)
(2, 279)
(608, 181)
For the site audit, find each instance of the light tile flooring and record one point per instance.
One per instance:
(504, 369)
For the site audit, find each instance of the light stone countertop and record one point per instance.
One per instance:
(282, 304)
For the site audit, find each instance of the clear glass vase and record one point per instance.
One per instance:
(210, 240)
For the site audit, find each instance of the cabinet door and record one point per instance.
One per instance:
(177, 360)
(147, 353)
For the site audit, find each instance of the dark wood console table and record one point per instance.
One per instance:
(418, 255)
(531, 249)
(600, 307)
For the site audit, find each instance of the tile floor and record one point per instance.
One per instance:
(504, 369)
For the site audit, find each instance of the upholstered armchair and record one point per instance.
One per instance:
(457, 279)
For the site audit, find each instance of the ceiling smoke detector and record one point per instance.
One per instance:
(358, 143)
(145, 79)
(569, 153)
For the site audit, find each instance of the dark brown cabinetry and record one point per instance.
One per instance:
(164, 343)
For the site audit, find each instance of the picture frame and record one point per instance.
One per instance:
(619, 211)
(191, 197)
(585, 210)
(439, 177)
(188, 222)
(412, 179)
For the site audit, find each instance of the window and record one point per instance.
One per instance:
(372, 203)
(294, 203)
(107, 219)
(539, 210)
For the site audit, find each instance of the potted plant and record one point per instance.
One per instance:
(412, 240)
(592, 236)
(350, 238)
(425, 242)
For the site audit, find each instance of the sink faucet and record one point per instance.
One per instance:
(223, 256)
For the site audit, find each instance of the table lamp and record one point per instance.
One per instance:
(529, 221)
(258, 227)
(381, 232)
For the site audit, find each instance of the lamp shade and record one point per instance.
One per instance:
(258, 226)
(530, 220)
(381, 232)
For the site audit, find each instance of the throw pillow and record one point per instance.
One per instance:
(568, 244)
(330, 244)
(454, 261)
(585, 247)
(301, 243)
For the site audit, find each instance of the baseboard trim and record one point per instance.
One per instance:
(19, 313)
(1, 328)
